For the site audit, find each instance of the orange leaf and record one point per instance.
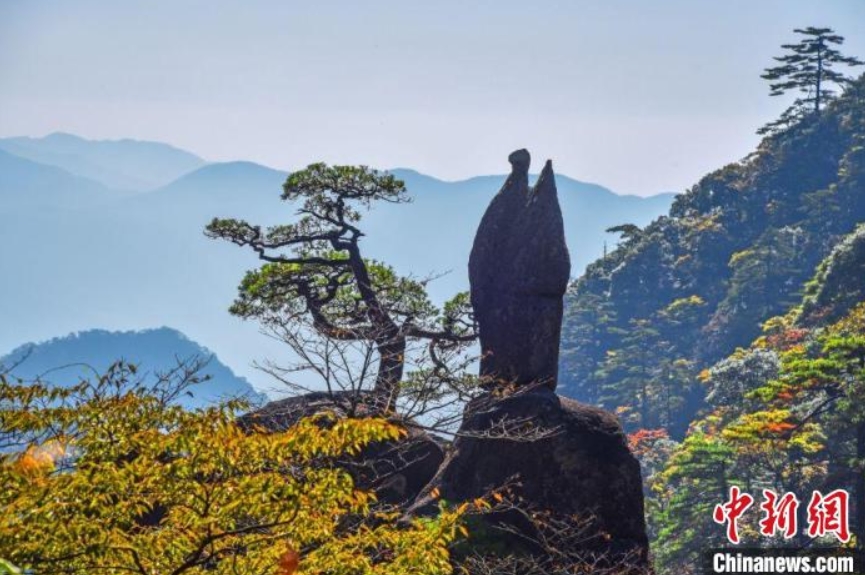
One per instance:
(289, 562)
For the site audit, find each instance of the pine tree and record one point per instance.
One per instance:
(316, 282)
(808, 69)
(697, 477)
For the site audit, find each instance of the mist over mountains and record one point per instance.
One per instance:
(109, 235)
(124, 165)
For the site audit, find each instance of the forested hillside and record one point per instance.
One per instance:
(785, 414)
(735, 250)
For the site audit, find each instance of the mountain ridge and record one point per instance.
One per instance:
(22, 146)
(126, 165)
(483, 178)
(63, 360)
(735, 250)
(27, 184)
(142, 259)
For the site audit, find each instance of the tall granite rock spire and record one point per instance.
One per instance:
(519, 270)
(565, 461)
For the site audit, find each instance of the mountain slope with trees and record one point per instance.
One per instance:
(783, 414)
(686, 290)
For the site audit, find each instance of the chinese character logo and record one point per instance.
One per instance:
(730, 512)
(779, 514)
(827, 515)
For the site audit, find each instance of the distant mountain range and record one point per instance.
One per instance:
(25, 184)
(67, 360)
(80, 252)
(129, 165)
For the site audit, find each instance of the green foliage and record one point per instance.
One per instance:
(839, 282)
(712, 325)
(337, 191)
(587, 322)
(695, 479)
(787, 414)
(732, 379)
(644, 377)
(278, 290)
(628, 231)
(758, 283)
(106, 477)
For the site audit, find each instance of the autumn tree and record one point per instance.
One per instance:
(785, 415)
(340, 311)
(106, 476)
(808, 68)
(823, 384)
(653, 449)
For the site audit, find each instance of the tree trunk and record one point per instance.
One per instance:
(391, 353)
(390, 344)
(819, 77)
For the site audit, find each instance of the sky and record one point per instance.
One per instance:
(642, 97)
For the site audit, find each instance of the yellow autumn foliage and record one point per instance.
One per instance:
(112, 479)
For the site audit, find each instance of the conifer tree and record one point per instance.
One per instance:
(808, 68)
(317, 281)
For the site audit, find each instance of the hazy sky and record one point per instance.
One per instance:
(639, 96)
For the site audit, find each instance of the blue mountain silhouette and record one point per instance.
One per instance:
(141, 260)
(84, 355)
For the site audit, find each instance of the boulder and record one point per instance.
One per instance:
(396, 470)
(559, 456)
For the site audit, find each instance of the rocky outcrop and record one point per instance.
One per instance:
(562, 456)
(519, 269)
(397, 471)
(563, 460)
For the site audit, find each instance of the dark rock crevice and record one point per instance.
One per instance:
(396, 471)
